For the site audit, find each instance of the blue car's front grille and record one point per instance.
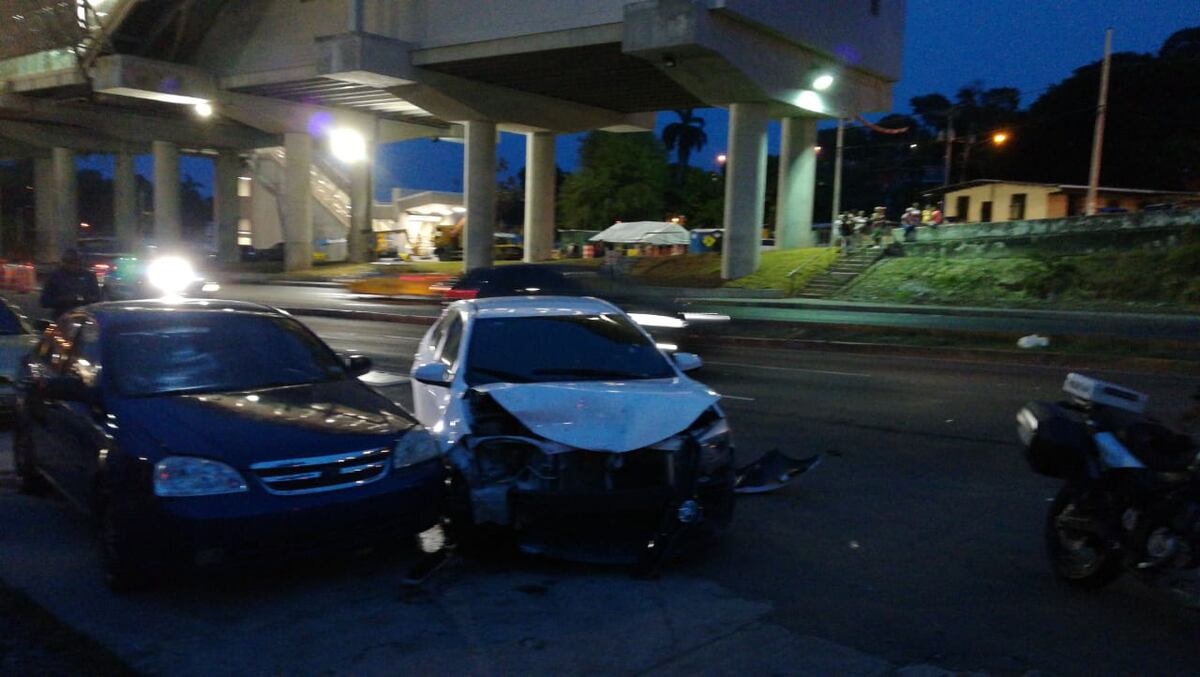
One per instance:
(323, 473)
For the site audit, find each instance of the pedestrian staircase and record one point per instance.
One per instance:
(837, 276)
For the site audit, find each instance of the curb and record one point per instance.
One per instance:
(286, 283)
(956, 311)
(1041, 359)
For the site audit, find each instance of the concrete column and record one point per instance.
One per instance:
(297, 205)
(45, 232)
(125, 206)
(745, 189)
(479, 193)
(540, 177)
(226, 208)
(168, 220)
(797, 184)
(359, 240)
(66, 199)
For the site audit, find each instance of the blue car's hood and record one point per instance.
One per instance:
(271, 424)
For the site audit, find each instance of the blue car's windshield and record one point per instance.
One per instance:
(561, 348)
(214, 352)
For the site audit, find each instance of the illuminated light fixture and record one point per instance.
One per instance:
(203, 109)
(652, 320)
(722, 158)
(999, 138)
(810, 100)
(912, 146)
(817, 150)
(347, 145)
(823, 82)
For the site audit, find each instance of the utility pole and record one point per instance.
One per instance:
(949, 147)
(1098, 138)
(837, 178)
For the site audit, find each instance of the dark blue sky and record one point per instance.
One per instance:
(1027, 44)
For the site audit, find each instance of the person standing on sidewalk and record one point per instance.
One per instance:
(71, 286)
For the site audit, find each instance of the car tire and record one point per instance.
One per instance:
(123, 572)
(31, 480)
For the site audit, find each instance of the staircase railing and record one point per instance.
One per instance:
(331, 196)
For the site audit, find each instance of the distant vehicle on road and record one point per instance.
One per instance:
(512, 280)
(198, 432)
(152, 275)
(564, 423)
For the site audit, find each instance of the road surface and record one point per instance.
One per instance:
(917, 541)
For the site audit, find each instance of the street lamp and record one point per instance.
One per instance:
(203, 109)
(999, 138)
(721, 159)
(822, 82)
(347, 145)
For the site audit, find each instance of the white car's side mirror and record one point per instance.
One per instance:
(434, 374)
(687, 361)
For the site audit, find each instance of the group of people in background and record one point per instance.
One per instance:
(853, 229)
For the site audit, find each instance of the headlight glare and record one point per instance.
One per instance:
(416, 446)
(191, 476)
(170, 274)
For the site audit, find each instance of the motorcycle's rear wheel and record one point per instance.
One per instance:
(1079, 557)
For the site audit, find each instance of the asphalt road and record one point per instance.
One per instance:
(919, 537)
(917, 541)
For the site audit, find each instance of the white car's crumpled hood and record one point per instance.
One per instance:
(603, 415)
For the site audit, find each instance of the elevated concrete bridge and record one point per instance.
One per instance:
(124, 76)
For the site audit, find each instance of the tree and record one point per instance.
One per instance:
(1184, 44)
(621, 177)
(683, 137)
(1151, 139)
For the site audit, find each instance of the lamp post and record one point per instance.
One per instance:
(997, 139)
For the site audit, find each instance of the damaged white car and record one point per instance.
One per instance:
(563, 421)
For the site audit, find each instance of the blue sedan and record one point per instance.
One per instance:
(197, 432)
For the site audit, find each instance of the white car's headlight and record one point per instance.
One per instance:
(416, 446)
(191, 476)
(716, 446)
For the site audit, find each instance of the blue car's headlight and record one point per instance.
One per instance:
(415, 446)
(191, 476)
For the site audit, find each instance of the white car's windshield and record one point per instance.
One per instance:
(561, 348)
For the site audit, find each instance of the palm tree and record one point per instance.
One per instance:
(683, 137)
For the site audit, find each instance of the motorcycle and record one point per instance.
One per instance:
(1130, 501)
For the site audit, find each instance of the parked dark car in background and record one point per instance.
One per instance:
(198, 432)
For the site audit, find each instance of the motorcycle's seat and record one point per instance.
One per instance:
(1159, 447)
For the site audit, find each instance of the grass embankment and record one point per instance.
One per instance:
(787, 271)
(704, 270)
(1158, 278)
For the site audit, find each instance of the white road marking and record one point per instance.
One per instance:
(796, 369)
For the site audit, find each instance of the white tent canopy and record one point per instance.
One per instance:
(643, 232)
